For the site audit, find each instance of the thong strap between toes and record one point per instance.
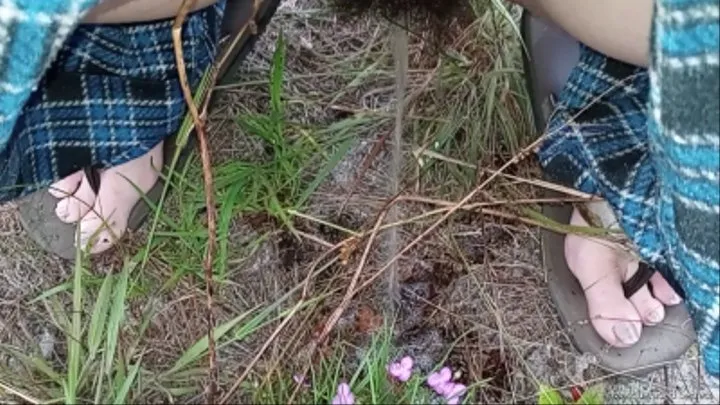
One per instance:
(638, 280)
(93, 176)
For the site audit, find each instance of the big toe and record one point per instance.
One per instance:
(71, 208)
(67, 186)
(98, 234)
(613, 316)
(650, 309)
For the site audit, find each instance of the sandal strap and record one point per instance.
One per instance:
(93, 176)
(638, 280)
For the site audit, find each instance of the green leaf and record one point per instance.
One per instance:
(117, 314)
(200, 347)
(74, 348)
(276, 78)
(549, 396)
(98, 317)
(38, 364)
(592, 396)
(322, 175)
(49, 293)
(127, 384)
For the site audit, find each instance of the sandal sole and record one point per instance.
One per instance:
(659, 344)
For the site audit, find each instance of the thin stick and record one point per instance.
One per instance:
(20, 394)
(400, 51)
(209, 196)
(330, 324)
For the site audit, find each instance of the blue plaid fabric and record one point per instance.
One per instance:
(111, 94)
(648, 141)
(31, 33)
(684, 129)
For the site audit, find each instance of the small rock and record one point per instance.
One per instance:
(47, 344)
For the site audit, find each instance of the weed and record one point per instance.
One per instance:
(93, 370)
(550, 396)
(272, 185)
(367, 376)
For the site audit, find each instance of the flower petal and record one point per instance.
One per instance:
(439, 378)
(433, 379)
(343, 389)
(406, 362)
(394, 369)
(444, 389)
(455, 390)
(446, 374)
(344, 395)
(453, 401)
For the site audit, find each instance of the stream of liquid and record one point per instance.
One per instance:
(400, 55)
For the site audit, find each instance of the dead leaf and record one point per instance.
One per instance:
(367, 320)
(347, 250)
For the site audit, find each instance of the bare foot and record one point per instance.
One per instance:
(601, 270)
(103, 218)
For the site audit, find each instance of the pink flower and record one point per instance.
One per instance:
(438, 380)
(401, 370)
(453, 392)
(441, 382)
(344, 396)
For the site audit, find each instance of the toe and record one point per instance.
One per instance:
(598, 270)
(98, 234)
(663, 292)
(613, 316)
(651, 311)
(66, 186)
(71, 209)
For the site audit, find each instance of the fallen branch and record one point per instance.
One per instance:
(209, 194)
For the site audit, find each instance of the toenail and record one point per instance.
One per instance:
(626, 333)
(655, 315)
(61, 210)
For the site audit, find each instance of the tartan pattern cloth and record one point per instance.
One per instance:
(648, 141)
(31, 34)
(684, 129)
(111, 94)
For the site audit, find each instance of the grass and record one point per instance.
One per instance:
(368, 378)
(302, 175)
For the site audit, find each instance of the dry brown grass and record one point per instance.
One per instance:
(472, 291)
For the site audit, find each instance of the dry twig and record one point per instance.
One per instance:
(209, 192)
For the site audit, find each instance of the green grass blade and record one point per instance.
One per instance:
(549, 396)
(200, 347)
(120, 397)
(74, 348)
(51, 292)
(35, 363)
(325, 172)
(98, 318)
(276, 78)
(117, 314)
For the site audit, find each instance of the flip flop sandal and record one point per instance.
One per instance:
(243, 23)
(552, 56)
